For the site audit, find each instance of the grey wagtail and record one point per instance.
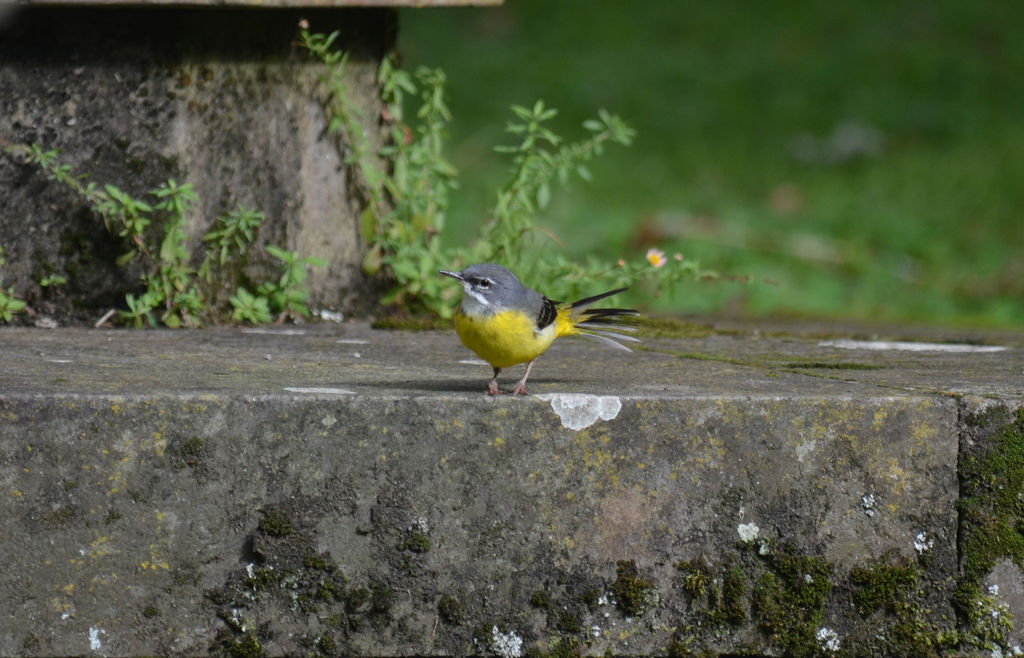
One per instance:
(506, 323)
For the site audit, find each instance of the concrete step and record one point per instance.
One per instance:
(789, 489)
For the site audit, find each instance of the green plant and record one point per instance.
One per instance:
(231, 236)
(53, 281)
(249, 308)
(172, 283)
(140, 309)
(9, 304)
(155, 234)
(287, 296)
(407, 182)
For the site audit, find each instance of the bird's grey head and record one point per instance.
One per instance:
(489, 288)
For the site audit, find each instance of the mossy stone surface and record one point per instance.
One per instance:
(338, 489)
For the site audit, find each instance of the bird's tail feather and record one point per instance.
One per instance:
(607, 325)
(588, 301)
(607, 340)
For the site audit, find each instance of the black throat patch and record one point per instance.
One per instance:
(548, 313)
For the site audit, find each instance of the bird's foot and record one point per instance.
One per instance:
(492, 386)
(520, 387)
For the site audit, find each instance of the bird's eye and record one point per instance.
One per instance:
(484, 284)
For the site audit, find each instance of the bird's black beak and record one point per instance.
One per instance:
(455, 275)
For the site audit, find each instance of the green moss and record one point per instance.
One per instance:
(61, 515)
(705, 356)
(679, 648)
(320, 563)
(185, 575)
(451, 610)
(990, 625)
(656, 327)
(191, 451)
(723, 592)
(734, 596)
(327, 644)
(565, 647)
(696, 576)
(307, 602)
(682, 646)
(883, 586)
(377, 598)
(634, 594)
(381, 598)
(219, 596)
(329, 590)
(355, 598)
(482, 635)
(829, 365)
(290, 579)
(324, 644)
(991, 509)
(784, 593)
(540, 599)
(569, 623)
(246, 646)
(590, 597)
(264, 578)
(150, 612)
(789, 599)
(416, 541)
(894, 587)
(991, 505)
(275, 524)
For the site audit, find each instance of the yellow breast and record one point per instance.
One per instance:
(503, 339)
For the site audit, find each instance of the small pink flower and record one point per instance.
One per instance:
(656, 257)
(303, 24)
(622, 263)
(679, 257)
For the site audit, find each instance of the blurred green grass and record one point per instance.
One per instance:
(860, 160)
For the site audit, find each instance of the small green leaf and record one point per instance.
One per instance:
(372, 260)
(522, 112)
(368, 224)
(279, 253)
(248, 308)
(543, 196)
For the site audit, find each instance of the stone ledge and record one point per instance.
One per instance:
(335, 489)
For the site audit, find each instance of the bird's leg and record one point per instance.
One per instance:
(492, 386)
(520, 387)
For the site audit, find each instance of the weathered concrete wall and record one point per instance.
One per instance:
(218, 98)
(342, 490)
